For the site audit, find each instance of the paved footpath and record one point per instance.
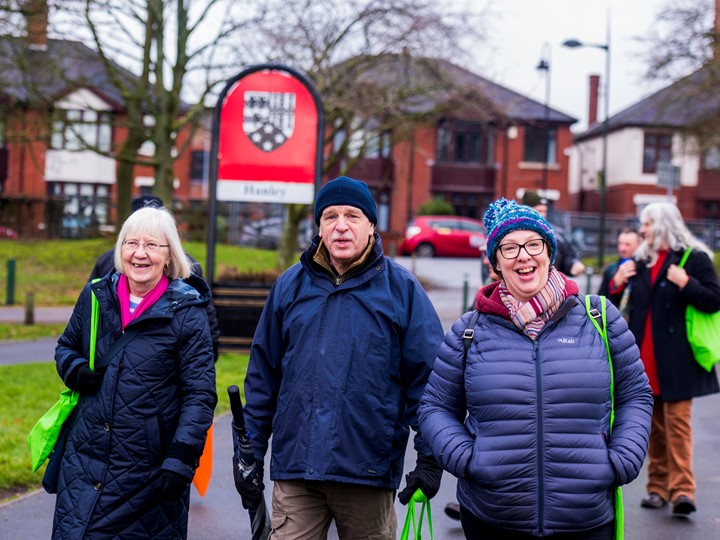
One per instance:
(219, 515)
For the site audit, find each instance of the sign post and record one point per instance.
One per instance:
(668, 175)
(266, 146)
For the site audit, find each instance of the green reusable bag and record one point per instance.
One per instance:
(44, 434)
(416, 524)
(703, 331)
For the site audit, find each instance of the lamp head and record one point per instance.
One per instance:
(572, 43)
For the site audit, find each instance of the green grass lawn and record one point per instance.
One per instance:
(28, 390)
(55, 271)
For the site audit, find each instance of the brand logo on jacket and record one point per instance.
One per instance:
(269, 118)
(566, 340)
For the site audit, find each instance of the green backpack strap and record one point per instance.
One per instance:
(684, 257)
(94, 321)
(594, 315)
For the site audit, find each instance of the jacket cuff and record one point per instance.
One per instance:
(175, 465)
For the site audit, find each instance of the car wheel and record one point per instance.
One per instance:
(425, 250)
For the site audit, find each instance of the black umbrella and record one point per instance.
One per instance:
(247, 467)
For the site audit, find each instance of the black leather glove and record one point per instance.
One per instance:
(170, 485)
(426, 476)
(250, 486)
(85, 381)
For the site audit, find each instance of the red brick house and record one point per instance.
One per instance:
(61, 119)
(675, 129)
(491, 143)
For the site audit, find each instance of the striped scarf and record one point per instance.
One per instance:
(531, 316)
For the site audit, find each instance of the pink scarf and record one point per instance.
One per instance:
(531, 316)
(148, 300)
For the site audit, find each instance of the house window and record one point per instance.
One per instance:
(77, 130)
(711, 159)
(364, 142)
(539, 146)
(658, 147)
(463, 142)
(198, 164)
(85, 207)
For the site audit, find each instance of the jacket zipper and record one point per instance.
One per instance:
(540, 429)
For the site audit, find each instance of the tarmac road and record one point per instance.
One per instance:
(219, 515)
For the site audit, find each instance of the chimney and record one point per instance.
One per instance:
(36, 23)
(593, 98)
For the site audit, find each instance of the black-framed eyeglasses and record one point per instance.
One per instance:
(512, 250)
(134, 245)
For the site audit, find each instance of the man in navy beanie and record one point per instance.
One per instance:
(340, 358)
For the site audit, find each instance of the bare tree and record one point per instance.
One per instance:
(682, 40)
(684, 49)
(164, 57)
(375, 63)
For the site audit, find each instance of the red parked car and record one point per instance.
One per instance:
(444, 236)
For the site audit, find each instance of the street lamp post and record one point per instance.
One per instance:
(573, 43)
(544, 65)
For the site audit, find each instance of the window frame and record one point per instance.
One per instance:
(463, 142)
(541, 146)
(659, 149)
(81, 129)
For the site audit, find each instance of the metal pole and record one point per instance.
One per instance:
(589, 271)
(547, 118)
(606, 130)
(10, 298)
(30, 308)
(465, 294)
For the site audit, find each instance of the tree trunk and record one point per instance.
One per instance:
(288, 238)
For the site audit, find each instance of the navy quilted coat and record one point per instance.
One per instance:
(336, 372)
(152, 412)
(534, 453)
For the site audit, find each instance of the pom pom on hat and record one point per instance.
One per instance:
(344, 191)
(503, 217)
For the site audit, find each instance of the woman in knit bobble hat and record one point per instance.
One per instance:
(523, 417)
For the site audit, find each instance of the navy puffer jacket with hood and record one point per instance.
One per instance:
(525, 425)
(152, 412)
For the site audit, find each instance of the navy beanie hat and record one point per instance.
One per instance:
(348, 192)
(146, 200)
(503, 217)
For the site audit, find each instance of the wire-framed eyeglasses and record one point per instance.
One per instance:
(134, 245)
(512, 250)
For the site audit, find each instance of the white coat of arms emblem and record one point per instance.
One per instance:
(269, 118)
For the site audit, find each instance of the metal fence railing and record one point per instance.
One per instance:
(583, 227)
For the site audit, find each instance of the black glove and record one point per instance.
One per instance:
(426, 476)
(170, 486)
(250, 486)
(85, 380)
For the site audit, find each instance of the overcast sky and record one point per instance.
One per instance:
(522, 27)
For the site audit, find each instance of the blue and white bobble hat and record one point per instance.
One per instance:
(503, 217)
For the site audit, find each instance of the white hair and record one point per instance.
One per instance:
(667, 230)
(158, 223)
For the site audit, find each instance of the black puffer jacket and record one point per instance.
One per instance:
(152, 412)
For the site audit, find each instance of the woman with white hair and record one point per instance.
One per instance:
(138, 430)
(660, 292)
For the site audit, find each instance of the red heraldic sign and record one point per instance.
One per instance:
(267, 142)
